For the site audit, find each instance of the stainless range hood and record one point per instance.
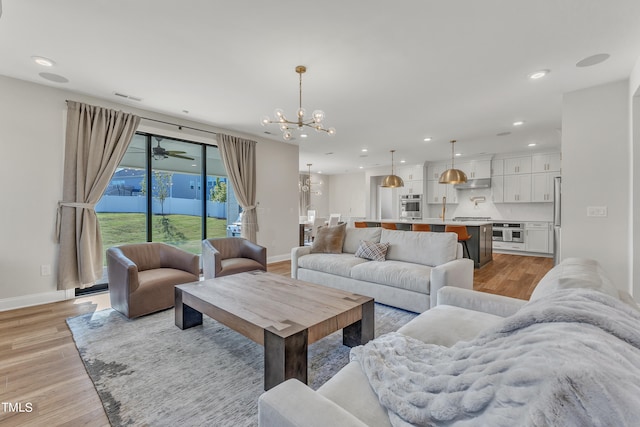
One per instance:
(474, 183)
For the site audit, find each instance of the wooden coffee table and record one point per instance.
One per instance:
(282, 314)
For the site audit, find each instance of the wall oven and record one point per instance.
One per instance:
(411, 206)
(508, 232)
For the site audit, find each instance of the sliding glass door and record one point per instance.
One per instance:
(163, 191)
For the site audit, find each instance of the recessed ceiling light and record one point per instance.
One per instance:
(403, 161)
(303, 135)
(533, 144)
(518, 123)
(458, 154)
(194, 165)
(427, 139)
(593, 60)
(41, 60)
(538, 74)
(364, 150)
(361, 167)
(319, 171)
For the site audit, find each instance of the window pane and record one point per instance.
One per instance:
(176, 189)
(218, 191)
(122, 208)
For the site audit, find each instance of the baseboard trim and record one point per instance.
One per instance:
(278, 258)
(35, 299)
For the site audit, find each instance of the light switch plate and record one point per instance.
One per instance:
(600, 211)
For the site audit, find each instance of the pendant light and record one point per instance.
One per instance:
(453, 175)
(392, 181)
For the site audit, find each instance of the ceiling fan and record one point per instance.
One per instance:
(160, 153)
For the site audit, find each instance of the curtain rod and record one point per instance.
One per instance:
(180, 127)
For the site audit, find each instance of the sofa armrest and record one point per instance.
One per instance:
(255, 252)
(121, 271)
(480, 301)
(295, 254)
(211, 260)
(292, 404)
(458, 273)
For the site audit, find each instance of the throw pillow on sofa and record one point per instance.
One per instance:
(372, 250)
(329, 240)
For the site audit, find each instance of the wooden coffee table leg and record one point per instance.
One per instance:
(186, 317)
(284, 358)
(362, 331)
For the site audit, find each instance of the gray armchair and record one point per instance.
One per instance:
(231, 255)
(142, 276)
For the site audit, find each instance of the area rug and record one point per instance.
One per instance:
(148, 372)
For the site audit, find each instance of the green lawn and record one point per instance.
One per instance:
(122, 228)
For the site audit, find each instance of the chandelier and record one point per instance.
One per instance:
(305, 186)
(287, 126)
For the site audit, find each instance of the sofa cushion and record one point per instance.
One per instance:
(338, 264)
(403, 275)
(372, 250)
(427, 248)
(329, 240)
(447, 324)
(575, 273)
(354, 236)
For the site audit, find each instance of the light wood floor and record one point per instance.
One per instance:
(39, 363)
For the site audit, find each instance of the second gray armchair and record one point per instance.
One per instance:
(231, 255)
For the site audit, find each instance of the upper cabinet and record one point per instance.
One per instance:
(411, 173)
(545, 162)
(517, 165)
(476, 169)
(435, 170)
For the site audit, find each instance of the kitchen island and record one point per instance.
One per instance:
(480, 245)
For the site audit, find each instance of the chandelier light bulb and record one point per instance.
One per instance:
(265, 120)
(278, 113)
(301, 113)
(331, 131)
(287, 135)
(284, 126)
(318, 116)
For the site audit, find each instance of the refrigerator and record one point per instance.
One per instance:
(557, 219)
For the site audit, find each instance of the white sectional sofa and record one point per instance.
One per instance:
(417, 265)
(570, 356)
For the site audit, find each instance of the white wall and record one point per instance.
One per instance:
(634, 159)
(32, 123)
(596, 172)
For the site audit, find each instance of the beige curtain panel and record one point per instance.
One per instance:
(96, 141)
(239, 158)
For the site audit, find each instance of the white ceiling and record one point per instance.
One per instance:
(387, 74)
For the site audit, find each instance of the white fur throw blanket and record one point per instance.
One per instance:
(569, 359)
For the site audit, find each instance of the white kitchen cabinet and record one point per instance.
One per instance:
(475, 169)
(537, 237)
(411, 172)
(542, 187)
(436, 191)
(545, 162)
(434, 170)
(517, 165)
(497, 189)
(412, 187)
(517, 188)
(497, 167)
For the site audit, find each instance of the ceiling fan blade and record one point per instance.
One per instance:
(179, 156)
(175, 152)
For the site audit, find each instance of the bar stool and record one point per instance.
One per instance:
(389, 225)
(420, 227)
(463, 236)
(360, 224)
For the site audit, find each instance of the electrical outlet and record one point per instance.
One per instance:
(600, 211)
(45, 270)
